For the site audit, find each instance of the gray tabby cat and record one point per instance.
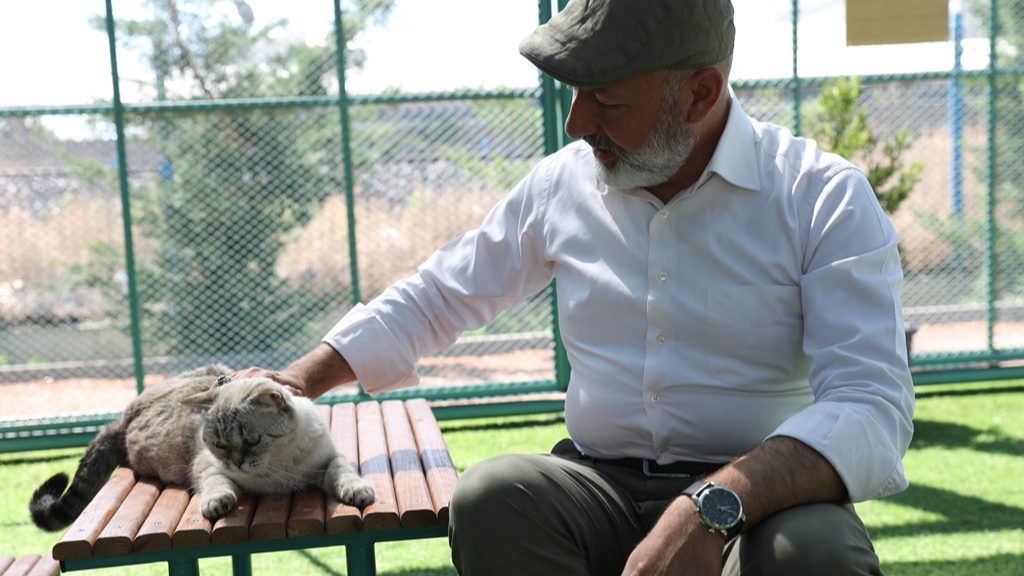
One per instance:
(246, 436)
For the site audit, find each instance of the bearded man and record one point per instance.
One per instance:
(729, 300)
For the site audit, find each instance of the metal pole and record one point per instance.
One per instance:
(126, 213)
(956, 121)
(990, 224)
(795, 82)
(346, 151)
(554, 138)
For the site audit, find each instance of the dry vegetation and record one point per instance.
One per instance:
(391, 241)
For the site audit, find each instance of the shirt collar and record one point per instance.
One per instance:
(734, 158)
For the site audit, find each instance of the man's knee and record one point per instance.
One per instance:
(806, 540)
(494, 487)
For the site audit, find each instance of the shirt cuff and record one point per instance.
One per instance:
(856, 446)
(371, 351)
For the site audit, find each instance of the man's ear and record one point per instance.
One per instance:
(705, 87)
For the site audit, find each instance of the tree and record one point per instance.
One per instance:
(840, 125)
(235, 180)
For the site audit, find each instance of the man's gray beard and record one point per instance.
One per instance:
(655, 161)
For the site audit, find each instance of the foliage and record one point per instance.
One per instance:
(840, 126)
(234, 181)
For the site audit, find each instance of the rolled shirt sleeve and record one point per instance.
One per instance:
(861, 418)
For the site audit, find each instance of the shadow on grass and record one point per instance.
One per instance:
(928, 434)
(39, 458)
(510, 425)
(428, 572)
(924, 392)
(961, 512)
(325, 568)
(1000, 565)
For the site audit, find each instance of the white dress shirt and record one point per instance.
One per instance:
(762, 301)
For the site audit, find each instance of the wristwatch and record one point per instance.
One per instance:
(719, 508)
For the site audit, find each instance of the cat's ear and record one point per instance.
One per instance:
(202, 400)
(271, 398)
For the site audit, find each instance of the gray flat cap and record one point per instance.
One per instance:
(594, 43)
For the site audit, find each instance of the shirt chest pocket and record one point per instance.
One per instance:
(755, 336)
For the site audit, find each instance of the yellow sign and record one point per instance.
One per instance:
(896, 21)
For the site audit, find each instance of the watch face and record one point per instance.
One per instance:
(720, 508)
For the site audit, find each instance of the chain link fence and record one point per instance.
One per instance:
(225, 200)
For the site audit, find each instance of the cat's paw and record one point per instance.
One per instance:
(355, 491)
(216, 505)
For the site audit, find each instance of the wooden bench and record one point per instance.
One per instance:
(28, 565)
(398, 445)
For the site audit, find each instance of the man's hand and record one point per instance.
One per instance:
(677, 545)
(780, 473)
(312, 375)
(289, 381)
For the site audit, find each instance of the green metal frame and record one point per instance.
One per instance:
(359, 552)
(555, 100)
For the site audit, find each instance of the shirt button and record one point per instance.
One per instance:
(662, 450)
(663, 213)
(660, 340)
(663, 276)
(655, 398)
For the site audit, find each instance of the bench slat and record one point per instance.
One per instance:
(193, 530)
(374, 466)
(44, 566)
(29, 565)
(77, 542)
(21, 565)
(307, 515)
(156, 532)
(415, 506)
(271, 517)
(437, 461)
(342, 518)
(119, 533)
(234, 528)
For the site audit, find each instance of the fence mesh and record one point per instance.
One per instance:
(264, 202)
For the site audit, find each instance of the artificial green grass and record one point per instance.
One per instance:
(962, 515)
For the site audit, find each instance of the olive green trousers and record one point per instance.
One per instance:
(561, 514)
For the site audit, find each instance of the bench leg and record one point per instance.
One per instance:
(241, 565)
(359, 560)
(188, 567)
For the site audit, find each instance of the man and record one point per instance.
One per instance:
(729, 301)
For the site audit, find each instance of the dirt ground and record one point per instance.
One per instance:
(49, 397)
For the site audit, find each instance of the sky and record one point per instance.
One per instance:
(49, 56)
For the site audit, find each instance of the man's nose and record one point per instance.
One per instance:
(582, 118)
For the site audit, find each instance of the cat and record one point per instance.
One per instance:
(218, 437)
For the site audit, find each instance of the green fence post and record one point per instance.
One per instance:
(990, 227)
(126, 213)
(796, 81)
(346, 150)
(551, 97)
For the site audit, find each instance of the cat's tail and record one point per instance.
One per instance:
(54, 509)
